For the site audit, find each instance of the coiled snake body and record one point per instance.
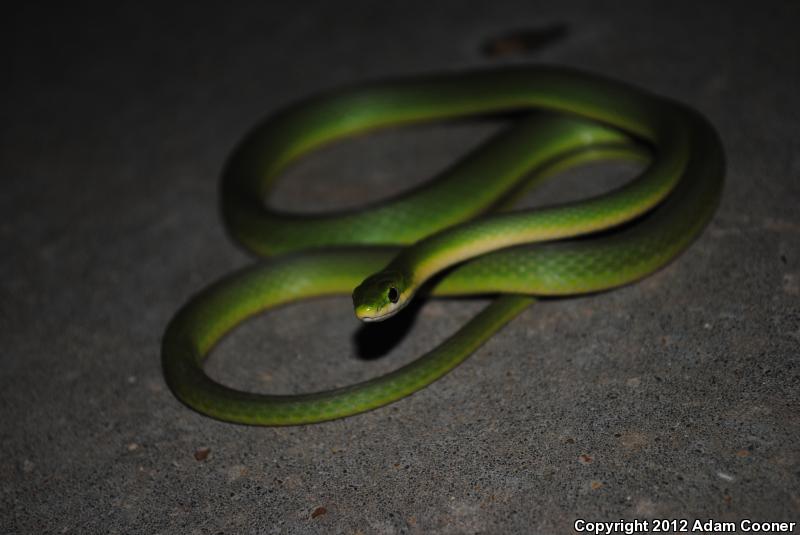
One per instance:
(450, 232)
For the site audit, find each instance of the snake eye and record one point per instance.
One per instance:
(393, 295)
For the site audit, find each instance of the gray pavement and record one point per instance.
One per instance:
(676, 398)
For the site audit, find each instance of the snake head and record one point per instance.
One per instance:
(380, 296)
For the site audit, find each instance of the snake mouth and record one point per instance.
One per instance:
(376, 319)
(369, 314)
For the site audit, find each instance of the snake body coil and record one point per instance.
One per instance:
(451, 228)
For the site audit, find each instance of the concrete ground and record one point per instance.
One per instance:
(676, 398)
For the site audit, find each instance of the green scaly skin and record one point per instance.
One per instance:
(670, 203)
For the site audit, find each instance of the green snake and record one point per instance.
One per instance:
(455, 236)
